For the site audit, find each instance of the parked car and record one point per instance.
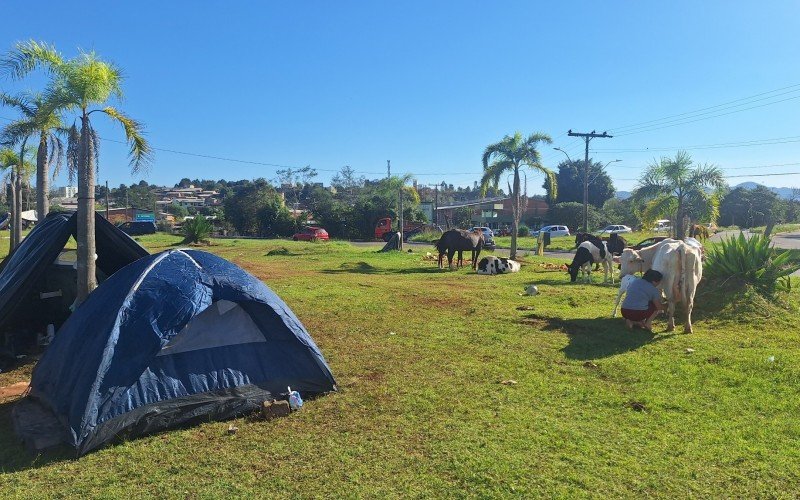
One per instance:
(554, 231)
(488, 237)
(138, 227)
(616, 229)
(311, 233)
(649, 241)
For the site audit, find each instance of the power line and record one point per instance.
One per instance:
(622, 129)
(706, 118)
(722, 145)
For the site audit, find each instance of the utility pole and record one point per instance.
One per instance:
(588, 136)
(106, 200)
(388, 168)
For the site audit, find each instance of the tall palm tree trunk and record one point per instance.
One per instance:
(515, 213)
(680, 229)
(87, 276)
(12, 224)
(42, 181)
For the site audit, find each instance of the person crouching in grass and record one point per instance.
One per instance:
(643, 301)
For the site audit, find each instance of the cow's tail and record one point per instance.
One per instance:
(692, 273)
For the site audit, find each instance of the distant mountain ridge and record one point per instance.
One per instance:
(783, 192)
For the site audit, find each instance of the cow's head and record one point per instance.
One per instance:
(572, 270)
(630, 262)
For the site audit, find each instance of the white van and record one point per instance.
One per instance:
(663, 226)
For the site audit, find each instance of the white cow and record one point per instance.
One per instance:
(497, 265)
(607, 258)
(682, 268)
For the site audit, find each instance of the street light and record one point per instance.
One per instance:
(604, 167)
(568, 158)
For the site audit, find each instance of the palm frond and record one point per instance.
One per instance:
(21, 101)
(73, 152)
(493, 173)
(29, 55)
(140, 151)
(659, 208)
(95, 144)
(56, 155)
(16, 132)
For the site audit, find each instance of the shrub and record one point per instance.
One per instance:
(427, 236)
(197, 230)
(523, 230)
(752, 261)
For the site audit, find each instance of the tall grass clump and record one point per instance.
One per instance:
(197, 230)
(427, 236)
(750, 261)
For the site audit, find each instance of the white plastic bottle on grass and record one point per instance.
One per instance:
(295, 401)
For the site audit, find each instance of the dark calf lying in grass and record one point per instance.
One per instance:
(581, 262)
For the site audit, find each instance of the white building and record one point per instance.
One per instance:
(67, 192)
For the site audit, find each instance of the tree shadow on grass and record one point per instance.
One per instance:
(595, 338)
(364, 268)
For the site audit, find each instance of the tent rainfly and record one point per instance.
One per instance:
(36, 288)
(175, 338)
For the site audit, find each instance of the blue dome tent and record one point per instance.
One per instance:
(171, 339)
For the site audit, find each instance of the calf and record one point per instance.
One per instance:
(582, 261)
(624, 283)
(497, 265)
(682, 268)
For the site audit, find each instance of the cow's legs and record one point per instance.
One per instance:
(688, 304)
(671, 315)
(450, 253)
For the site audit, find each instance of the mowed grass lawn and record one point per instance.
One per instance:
(420, 354)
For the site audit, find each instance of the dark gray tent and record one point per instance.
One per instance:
(37, 285)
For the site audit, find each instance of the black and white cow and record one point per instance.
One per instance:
(497, 265)
(582, 262)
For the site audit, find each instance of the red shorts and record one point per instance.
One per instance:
(637, 315)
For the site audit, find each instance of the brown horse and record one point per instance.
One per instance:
(699, 231)
(458, 240)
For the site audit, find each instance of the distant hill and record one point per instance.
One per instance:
(783, 192)
(623, 195)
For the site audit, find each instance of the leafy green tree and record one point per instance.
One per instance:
(671, 188)
(82, 85)
(507, 157)
(38, 119)
(258, 210)
(570, 214)
(616, 211)
(462, 217)
(569, 181)
(176, 210)
(750, 207)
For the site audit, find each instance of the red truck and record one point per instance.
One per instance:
(383, 229)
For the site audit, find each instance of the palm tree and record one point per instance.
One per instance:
(43, 120)
(19, 173)
(672, 188)
(507, 157)
(82, 85)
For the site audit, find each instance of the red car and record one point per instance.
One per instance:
(311, 233)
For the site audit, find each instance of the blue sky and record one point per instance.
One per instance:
(428, 85)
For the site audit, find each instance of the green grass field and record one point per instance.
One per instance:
(420, 353)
